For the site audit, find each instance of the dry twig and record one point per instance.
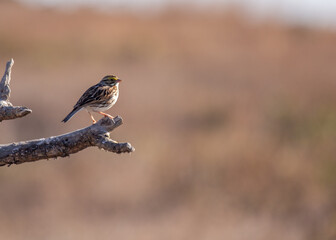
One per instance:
(7, 111)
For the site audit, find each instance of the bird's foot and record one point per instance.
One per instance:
(93, 120)
(106, 115)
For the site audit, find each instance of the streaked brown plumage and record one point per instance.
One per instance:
(98, 98)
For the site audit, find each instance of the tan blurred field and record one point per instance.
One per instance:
(233, 121)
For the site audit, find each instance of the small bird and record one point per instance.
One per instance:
(98, 98)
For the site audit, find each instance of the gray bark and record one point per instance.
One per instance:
(64, 145)
(7, 111)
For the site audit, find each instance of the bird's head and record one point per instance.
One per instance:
(110, 80)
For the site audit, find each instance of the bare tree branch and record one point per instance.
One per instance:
(7, 111)
(5, 81)
(64, 145)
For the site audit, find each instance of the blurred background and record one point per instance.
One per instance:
(231, 107)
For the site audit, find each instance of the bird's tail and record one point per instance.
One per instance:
(70, 115)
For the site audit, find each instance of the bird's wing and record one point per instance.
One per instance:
(95, 94)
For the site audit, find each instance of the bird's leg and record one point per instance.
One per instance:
(93, 120)
(106, 115)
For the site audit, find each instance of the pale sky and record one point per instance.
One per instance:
(313, 12)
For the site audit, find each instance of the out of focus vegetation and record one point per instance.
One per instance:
(234, 125)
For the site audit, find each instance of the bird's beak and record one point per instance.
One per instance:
(119, 80)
